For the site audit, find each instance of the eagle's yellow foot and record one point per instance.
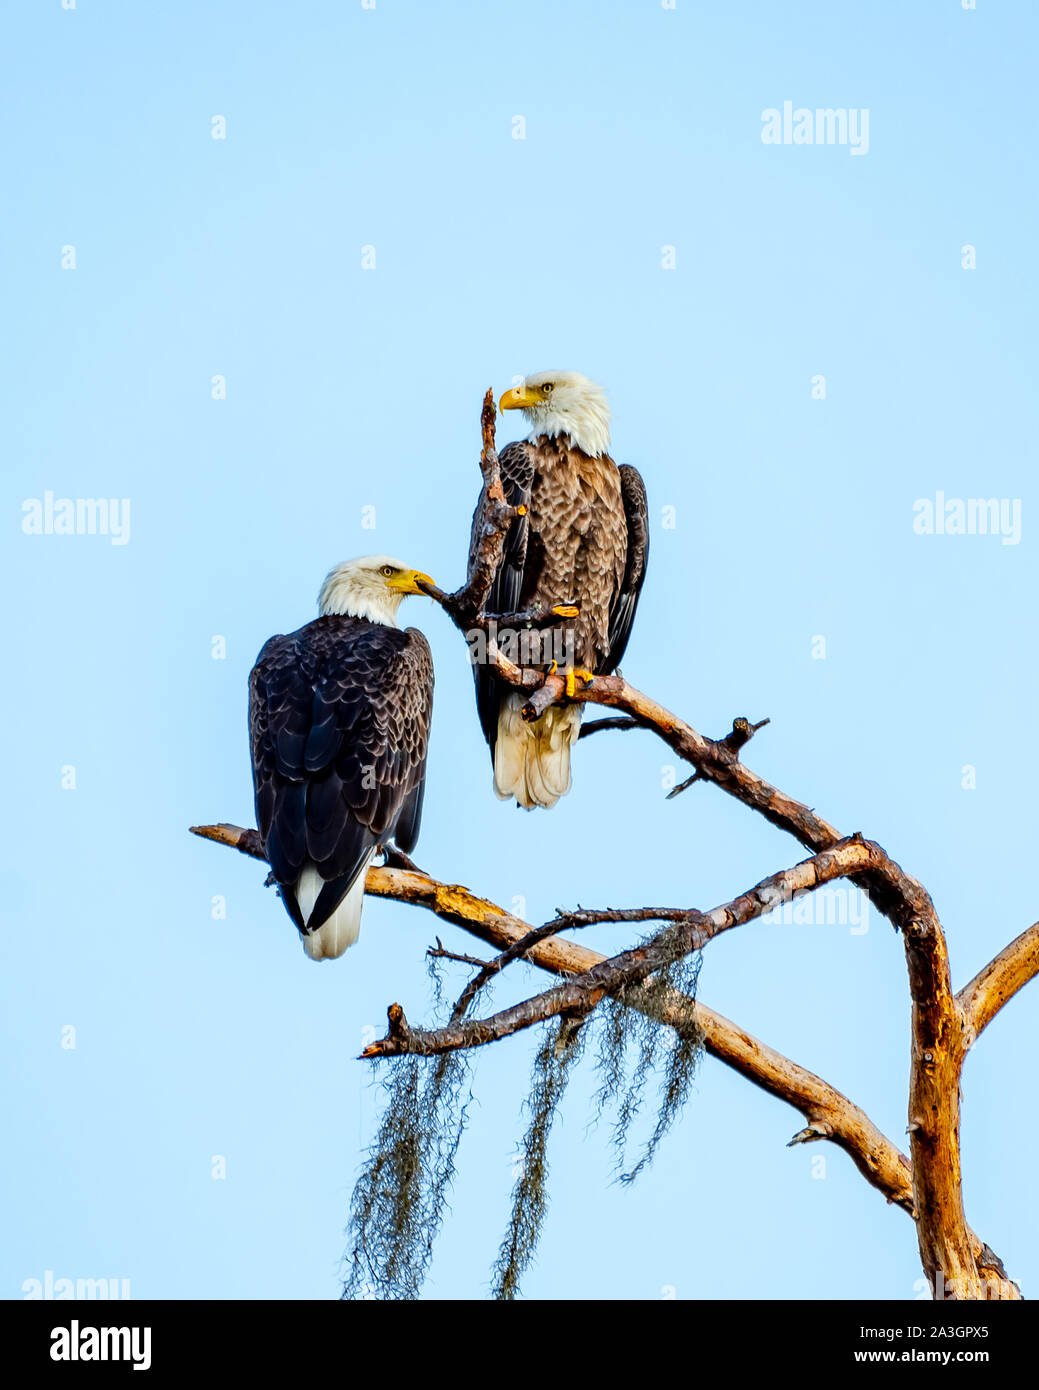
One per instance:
(575, 673)
(552, 669)
(566, 610)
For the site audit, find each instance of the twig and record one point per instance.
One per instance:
(514, 952)
(596, 726)
(466, 604)
(742, 732)
(439, 952)
(247, 841)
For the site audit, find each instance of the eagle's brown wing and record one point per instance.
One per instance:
(516, 461)
(622, 611)
(339, 716)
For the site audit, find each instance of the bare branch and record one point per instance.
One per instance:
(578, 997)
(598, 726)
(829, 1114)
(440, 952)
(822, 1105)
(742, 732)
(466, 604)
(247, 841)
(945, 1244)
(998, 982)
(494, 967)
(594, 916)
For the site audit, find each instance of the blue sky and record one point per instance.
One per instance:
(349, 388)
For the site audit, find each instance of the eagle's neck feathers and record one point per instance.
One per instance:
(586, 422)
(344, 598)
(549, 453)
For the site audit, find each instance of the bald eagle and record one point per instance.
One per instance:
(339, 717)
(585, 538)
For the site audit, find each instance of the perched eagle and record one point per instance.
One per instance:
(585, 539)
(339, 726)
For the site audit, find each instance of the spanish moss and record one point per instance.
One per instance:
(555, 1058)
(635, 1019)
(399, 1200)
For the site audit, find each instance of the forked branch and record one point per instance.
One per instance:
(827, 1113)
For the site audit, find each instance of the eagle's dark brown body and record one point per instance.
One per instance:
(584, 538)
(577, 541)
(339, 715)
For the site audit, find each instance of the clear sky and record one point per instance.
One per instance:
(346, 388)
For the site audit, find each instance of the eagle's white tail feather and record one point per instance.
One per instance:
(342, 929)
(532, 761)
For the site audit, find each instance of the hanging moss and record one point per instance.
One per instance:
(399, 1200)
(634, 1020)
(559, 1050)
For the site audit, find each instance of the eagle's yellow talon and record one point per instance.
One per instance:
(575, 673)
(553, 668)
(566, 610)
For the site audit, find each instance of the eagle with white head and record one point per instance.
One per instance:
(584, 538)
(339, 715)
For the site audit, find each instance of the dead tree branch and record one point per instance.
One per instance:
(828, 1114)
(466, 605)
(953, 1257)
(937, 1053)
(997, 983)
(598, 726)
(578, 997)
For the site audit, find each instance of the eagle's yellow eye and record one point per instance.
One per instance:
(388, 571)
(547, 387)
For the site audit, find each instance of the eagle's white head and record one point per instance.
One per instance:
(371, 587)
(563, 403)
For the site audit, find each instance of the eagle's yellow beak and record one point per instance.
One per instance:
(408, 581)
(519, 398)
